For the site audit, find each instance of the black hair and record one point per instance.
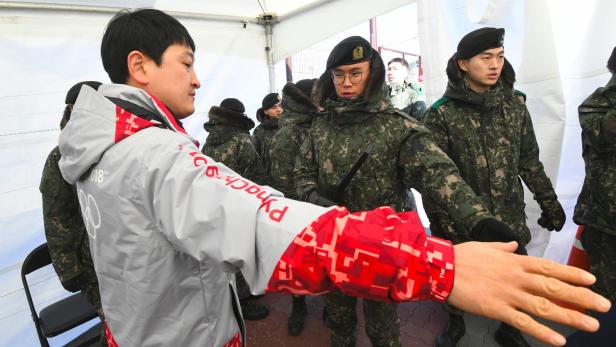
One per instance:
(66, 116)
(401, 61)
(611, 62)
(148, 31)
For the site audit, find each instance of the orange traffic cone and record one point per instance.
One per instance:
(578, 258)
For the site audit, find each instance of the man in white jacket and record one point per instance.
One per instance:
(169, 227)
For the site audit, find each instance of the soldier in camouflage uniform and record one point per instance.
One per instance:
(596, 205)
(229, 142)
(404, 94)
(357, 113)
(268, 115)
(294, 123)
(483, 124)
(65, 231)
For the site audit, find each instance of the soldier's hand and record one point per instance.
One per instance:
(552, 215)
(492, 282)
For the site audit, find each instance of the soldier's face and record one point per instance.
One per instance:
(396, 73)
(174, 81)
(274, 111)
(350, 81)
(484, 69)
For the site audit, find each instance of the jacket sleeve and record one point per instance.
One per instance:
(249, 161)
(530, 167)
(428, 169)
(305, 172)
(283, 151)
(434, 121)
(598, 127)
(209, 212)
(64, 228)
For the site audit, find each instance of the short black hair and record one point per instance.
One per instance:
(148, 31)
(401, 61)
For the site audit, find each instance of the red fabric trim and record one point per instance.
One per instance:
(378, 255)
(167, 114)
(128, 124)
(110, 340)
(236, 341)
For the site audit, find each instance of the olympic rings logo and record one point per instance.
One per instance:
(90, 212)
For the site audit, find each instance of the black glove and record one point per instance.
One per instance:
(491, 230)
(552, 214)
(315, 198)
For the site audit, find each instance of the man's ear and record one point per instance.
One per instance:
(463, 64)
(137, 69)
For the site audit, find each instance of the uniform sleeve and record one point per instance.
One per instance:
(64, 228)
(305, 171)
(598, 127)
(530, 167)
(378, 255)
(283, 152)
(435, 122)
(428, 169)
(210, 213)
(249, 161)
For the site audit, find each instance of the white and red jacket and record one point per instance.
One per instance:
(169, 227)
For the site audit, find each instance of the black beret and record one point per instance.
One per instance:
(611, 63)
(480, 40)
(305, 86)
(270, 100)
(71, 95)
(352, 50)
(233, 104)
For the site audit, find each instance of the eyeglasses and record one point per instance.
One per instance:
(339, 77)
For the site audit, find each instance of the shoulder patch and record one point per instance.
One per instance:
(520, 94)
(439, 102)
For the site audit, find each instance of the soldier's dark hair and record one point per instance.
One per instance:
(148, 31)
(401, 61)
(611, 63)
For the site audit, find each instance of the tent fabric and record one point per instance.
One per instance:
(557, 64)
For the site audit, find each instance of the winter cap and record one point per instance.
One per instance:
(480, 40)
(352, 50)
(305, 86)
(233, 104)
(270, 100)
(611, 63)
(71, 95)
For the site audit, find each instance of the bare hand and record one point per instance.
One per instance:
(493, 282)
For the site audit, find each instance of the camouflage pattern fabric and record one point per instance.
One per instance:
(294, 123)
(262, 139)
(596, 205)
(229, 142)
(66, 234)
(490, 138)
(403, 156)
(601, 249)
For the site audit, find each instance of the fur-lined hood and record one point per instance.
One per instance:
(298, 108)
(224, 124)
(324, 88)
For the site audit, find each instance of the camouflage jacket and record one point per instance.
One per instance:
(229, 142)
(294, 124)
(407, 99)
(65, 231)
(491, 139)
(596, 204)
(262, 139)
(403, 155)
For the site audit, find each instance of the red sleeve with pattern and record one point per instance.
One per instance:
(378, 254)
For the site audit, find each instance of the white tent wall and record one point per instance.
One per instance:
(559, 59)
